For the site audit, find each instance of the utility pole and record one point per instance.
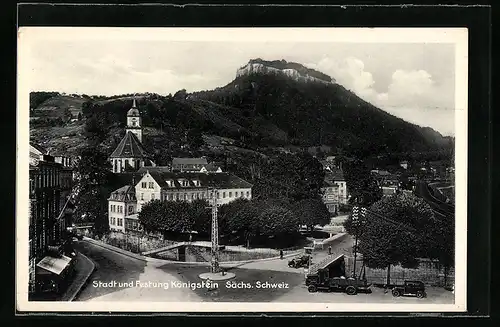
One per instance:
(215, 234)
(355, 223)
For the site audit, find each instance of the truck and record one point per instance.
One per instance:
(410, 288)
(351, 286)
(329, 275)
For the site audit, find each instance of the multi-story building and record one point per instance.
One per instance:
(50, 204)
(172, 186)
(122, 209)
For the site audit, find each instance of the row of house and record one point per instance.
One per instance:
(185, 179)
(50, 213)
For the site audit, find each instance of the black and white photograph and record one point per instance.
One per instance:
(235, 169)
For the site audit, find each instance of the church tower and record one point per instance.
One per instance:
(134, 122)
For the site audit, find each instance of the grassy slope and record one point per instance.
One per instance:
(55, 106)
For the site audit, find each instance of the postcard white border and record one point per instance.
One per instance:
(457, 36)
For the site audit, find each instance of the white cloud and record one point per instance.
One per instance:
(412, 94)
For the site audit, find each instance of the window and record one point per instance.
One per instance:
(142, 196)
(230, 194)
(236, 194)
(114, 221)
(144, 184)
(111, 220)
(223, 195)
(248, 194)
(177, 196)
(170, 196)
(152, 196)
(192, 196)
(130, 209)
(185, 196)
(120, 222)
(151, 185)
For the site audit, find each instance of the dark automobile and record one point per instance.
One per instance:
(301, 262)
(410, 288)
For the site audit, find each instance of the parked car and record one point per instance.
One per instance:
(300, 262)
(410, 288)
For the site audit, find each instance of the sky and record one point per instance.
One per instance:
(414, 81)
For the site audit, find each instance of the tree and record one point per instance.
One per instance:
(311, 212)
(95, 183)
(361, 185)
(275, 220)
(293, 177)
(240, 217)
(167, 216)
(195, 139)
(396, 230)
(96, 128)
(67, 115)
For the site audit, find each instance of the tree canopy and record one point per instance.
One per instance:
(311, 212)
(361, 185)
(398, 230)
(95, 182)
(293, 177)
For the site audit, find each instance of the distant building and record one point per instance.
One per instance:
(331, 196)
(388, 190)
(188, 164)
(385, 178)
(130, 155)
(335, 177)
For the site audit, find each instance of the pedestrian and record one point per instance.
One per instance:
(329, 250)
(281, 254)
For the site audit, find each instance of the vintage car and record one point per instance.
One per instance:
(300, 262)
(410, 288)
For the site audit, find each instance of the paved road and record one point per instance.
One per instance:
(341, 246)
(300, 294)
(118, 277)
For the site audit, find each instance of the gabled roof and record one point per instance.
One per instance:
(334, 175)
(189, 161)
(220, 180)
(329, 183)
(211, 167)
(35, 148)
(125, 193)
(129, 147)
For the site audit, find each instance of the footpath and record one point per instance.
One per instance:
(84, 267)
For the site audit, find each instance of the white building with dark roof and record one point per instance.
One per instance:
(122, 209)
(155, 184)
(130, 155)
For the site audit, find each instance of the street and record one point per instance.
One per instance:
(116, 268)
(264, 281)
